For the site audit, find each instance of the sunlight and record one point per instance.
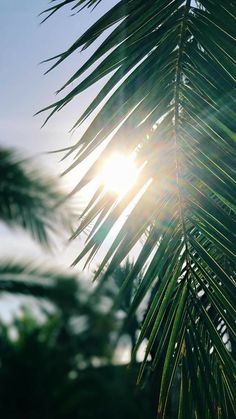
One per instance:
(119, 173)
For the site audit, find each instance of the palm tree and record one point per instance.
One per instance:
(111, 287)
(168, 97)
(32, 202)
(28, 199)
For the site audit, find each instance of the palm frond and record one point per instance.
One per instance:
(78, 5)
(171, 68)
(51, 285)
(27, 198)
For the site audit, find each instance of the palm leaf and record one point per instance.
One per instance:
(25, 279)
(27, 199)
(169, 96)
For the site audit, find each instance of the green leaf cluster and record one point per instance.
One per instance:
(168, 68)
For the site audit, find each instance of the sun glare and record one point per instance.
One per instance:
(119, 173)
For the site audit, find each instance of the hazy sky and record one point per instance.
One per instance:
(24, 90)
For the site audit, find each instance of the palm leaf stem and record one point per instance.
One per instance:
(177, 86)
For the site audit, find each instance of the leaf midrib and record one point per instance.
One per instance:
(177, 85)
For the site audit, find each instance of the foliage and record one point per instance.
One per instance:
(33, 202)
(26, 198)
(50, 365)
(169, 99)
(121, 303)
(51, 285)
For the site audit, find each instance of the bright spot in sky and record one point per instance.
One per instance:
(119, 173)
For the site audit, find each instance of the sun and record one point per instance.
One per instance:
(118, 174)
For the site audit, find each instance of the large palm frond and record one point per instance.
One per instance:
(27, 198)
(172, 78)
(27, 280)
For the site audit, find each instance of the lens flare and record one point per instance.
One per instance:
(118, 174)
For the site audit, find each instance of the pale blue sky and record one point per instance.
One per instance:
(24, 90)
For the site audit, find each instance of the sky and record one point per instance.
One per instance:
(25, 90)
(24, 44)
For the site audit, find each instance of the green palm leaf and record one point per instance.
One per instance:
(27, 199)
(172, 78)
(25, 279)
